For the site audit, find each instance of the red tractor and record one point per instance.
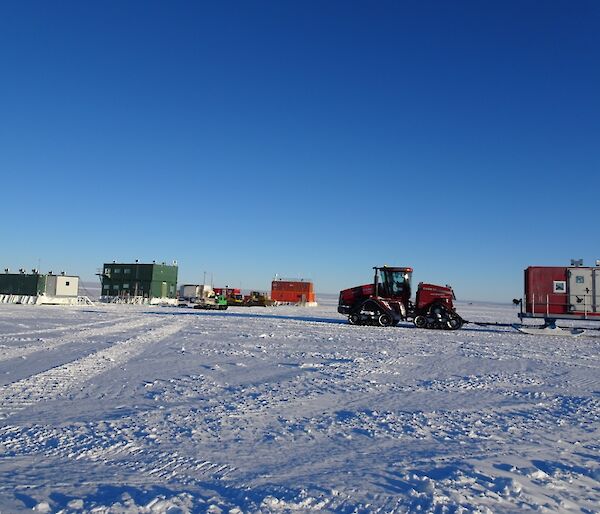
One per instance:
(386, 302)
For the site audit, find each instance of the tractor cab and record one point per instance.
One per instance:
(393, 283)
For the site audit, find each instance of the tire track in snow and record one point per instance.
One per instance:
(64, 328)
(167, 466)
(117, 448)
(55, 382)
(80, 334)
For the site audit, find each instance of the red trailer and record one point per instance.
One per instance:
(562, 292)
(227, 291)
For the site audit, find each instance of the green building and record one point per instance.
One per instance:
(34, 287)
(137, 280)
(22, 284)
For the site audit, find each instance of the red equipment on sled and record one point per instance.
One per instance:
(560, 292)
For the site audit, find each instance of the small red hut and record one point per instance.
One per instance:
(562, 292)
(297, 291)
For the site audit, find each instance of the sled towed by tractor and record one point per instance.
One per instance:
(387, 301)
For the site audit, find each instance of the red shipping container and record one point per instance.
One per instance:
(562, 292)
(546, 290)
(292, 291)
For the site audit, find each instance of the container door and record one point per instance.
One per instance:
(163, 290)
(597, 290)
(51, 285)
(581, 290)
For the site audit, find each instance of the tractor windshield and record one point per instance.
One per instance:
(394, 283)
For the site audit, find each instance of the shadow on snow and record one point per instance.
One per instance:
(308, 319)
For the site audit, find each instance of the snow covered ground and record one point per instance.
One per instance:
(117, 408)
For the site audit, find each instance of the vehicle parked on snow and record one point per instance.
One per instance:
(201, 296)
(387, 301)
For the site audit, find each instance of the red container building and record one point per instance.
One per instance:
(227, 291)
(562, 292)
(298, 291)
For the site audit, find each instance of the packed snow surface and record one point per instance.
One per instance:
(124, 409)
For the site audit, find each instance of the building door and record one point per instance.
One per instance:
(581, 290)
(597, 290)
(163, 290)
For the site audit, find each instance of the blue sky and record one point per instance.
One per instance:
(313, 139)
